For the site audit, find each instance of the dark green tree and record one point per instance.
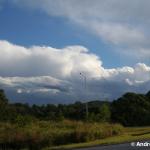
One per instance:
(105, 113)
(4, 113)
(3, 98)
(131, 110)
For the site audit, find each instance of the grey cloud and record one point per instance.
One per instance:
(124, 23)
(97, 90)
(112, 10)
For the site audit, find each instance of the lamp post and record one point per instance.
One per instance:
(85, 86)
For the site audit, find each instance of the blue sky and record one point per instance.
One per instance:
(53, 41)
(27, 27)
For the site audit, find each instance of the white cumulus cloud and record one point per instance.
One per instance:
(42, 72)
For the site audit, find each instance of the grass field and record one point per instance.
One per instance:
(40, 134)
(130, 134)
(48, 135)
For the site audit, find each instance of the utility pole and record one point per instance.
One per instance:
(85, 86)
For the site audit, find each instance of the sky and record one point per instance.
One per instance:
(46, 44)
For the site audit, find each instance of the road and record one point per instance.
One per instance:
(126, 146)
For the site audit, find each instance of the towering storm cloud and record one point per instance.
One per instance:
(51, 75)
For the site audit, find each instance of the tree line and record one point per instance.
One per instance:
(131, 109)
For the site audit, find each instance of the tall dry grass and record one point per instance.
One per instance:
(39, 134)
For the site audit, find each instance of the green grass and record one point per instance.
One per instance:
(131, 134)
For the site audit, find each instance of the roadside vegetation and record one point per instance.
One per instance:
(50, 126)
(130, 135)
(40, 134)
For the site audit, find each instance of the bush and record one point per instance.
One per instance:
(22, 121)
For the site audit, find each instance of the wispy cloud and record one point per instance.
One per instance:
(124, 24)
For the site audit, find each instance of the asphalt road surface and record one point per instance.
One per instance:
(125, 146)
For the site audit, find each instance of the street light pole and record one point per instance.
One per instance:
(85, 86)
